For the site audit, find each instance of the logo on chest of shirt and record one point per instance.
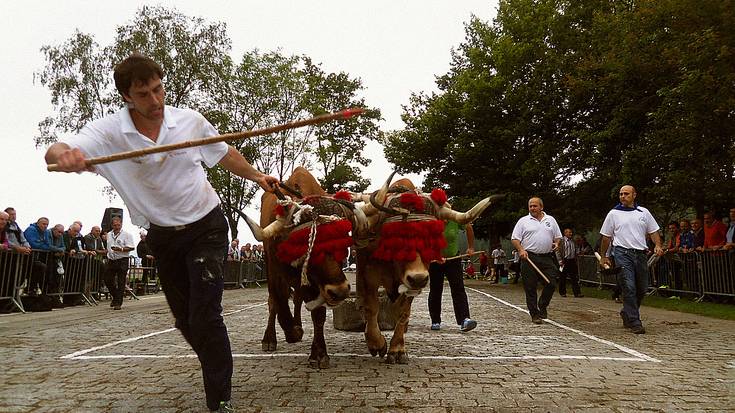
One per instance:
(548, 224)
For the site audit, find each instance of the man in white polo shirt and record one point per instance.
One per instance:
(169, 194)
(628, 224)
(119, 245)
(536, 236)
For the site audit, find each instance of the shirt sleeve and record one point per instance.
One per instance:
(518, 231)
(557, 231)
(651, 224)
(212, 153)
(607, 226)
(90, 140)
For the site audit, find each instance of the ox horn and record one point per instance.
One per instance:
(377, 198)
(446, 213)
(270, 231)
(315, 303)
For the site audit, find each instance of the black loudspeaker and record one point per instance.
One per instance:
(107, 218)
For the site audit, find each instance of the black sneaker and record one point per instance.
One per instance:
(536, 319)
(563, 295)
(225, 407)
(542, 313)
(638, 329)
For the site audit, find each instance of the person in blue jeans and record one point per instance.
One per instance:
(628, 224)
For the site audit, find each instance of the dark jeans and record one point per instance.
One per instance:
(453, 271)
(190, 268)
(116, 275)
(570, 272)
(546, 263)
(633, 281)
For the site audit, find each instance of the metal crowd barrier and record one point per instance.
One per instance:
(9, 270)
(244, 273)
(707, 273)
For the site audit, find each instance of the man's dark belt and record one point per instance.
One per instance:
(536, 253)
(186, 226)
(631, 250)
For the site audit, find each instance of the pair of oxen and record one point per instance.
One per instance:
(397, 231)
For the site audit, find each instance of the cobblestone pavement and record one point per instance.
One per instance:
(94, 359)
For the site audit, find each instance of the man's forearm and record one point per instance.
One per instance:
(604, 244)
(234, 162)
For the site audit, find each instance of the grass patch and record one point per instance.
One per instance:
(683, 305)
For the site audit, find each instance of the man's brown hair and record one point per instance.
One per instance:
(135, 68)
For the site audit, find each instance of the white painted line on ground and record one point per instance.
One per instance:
(127, 340)
(581, 333)
(347, 355)
(78, 355)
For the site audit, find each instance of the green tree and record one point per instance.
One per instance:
(568, 100)
(262, 90)
(339, 144)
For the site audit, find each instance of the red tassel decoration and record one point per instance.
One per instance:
(439, 196)
(401, 241)
(411, 200)
(331, 239)
(343, 195)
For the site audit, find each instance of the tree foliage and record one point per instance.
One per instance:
(262, 89)
(568, 100)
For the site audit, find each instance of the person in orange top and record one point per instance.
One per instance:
(714, 232)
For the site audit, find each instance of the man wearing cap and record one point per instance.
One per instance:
(536, 236)
(628, 224)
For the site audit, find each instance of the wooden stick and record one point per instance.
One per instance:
(463, 256)
(344, 114)
(537, 270)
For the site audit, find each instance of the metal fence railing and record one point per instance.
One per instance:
(43, 273)
(706, 273)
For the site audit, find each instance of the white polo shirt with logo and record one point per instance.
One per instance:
(629, 228)
(168, 188)
(535, 235)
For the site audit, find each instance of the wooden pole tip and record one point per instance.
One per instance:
(348, 113)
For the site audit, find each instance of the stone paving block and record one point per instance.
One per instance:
(693, 374)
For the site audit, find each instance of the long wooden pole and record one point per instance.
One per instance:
(344, 114)
(538, 270)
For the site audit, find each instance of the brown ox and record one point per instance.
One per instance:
(409, 233)
(286, 244)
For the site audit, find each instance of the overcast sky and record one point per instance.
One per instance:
(395, 47)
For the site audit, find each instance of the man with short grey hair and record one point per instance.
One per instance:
(536, 237)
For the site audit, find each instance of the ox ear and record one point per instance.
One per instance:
(448, 214)
(377, 198)
(270, 231)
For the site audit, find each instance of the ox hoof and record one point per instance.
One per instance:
(269, 346)
(397, 358)
(379, 351)
(296, 334)
(319, 362)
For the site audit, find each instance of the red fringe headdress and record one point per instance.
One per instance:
(332, 238)
(401, 241)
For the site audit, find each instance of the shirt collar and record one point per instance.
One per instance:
(543, 215)
(128, 127)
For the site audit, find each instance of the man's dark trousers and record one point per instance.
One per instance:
(569, 273)
(190, 265)
(116, 274)
(546, 263)
(452, 269)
